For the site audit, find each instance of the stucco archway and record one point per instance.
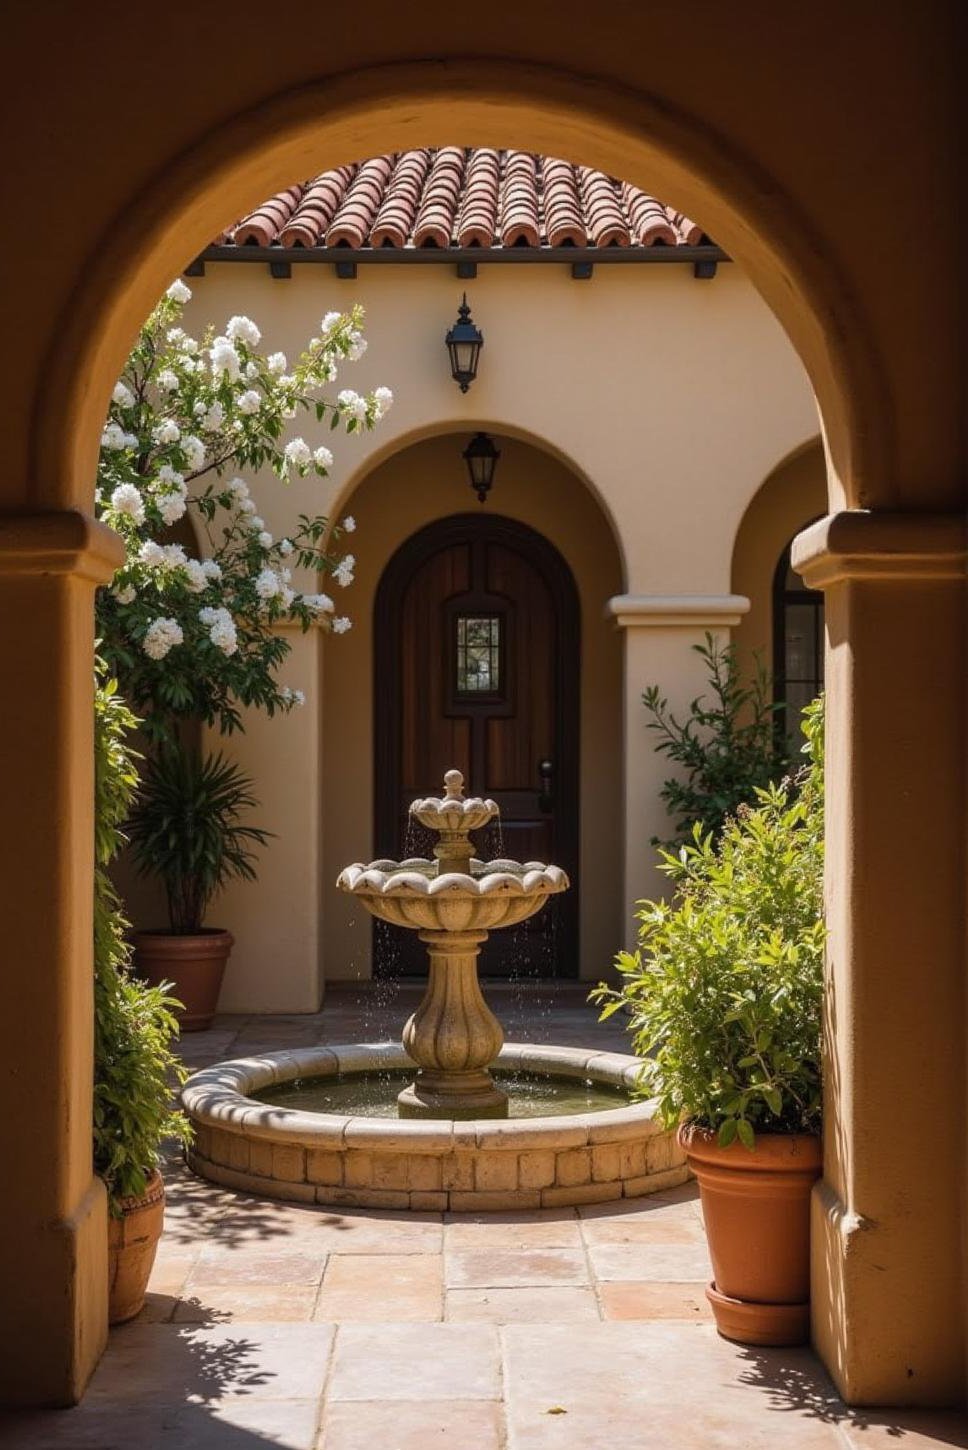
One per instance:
(389, 108)
(890, 444)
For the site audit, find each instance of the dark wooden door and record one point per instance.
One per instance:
(477, 666)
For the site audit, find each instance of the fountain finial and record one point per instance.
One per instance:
(454, 785)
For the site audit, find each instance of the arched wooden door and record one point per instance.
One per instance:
(477, 655)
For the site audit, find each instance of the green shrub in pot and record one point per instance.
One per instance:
(187, 830)
(135, 1068)
(724, 996)
(724, 991)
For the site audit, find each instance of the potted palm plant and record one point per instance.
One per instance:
(135, 1069)
(724, 1001)
(186, 830)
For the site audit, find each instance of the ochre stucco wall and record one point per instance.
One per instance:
(794, 135)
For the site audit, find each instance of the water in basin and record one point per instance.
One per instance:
(374, 1094)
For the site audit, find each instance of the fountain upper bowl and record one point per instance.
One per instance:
(412, 894)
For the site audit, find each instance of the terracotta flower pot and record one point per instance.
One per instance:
(195, 964)
(756, 1206)
(132, 1244)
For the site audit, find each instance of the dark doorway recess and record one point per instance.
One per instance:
(478, 659)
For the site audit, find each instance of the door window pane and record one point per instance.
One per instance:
(800, 644)
(478, 654)
(798, 649)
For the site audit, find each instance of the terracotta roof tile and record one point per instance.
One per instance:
(262, 226)
(519, 201)
(401, 201)
(434, 222)
(317, 208)
(464, 197)
(649, 218)
(351, 225)
(477, 217)
(564, 221)
(605, 219)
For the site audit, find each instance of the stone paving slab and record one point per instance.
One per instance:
(531, 1304)
(393, 1425)
(404, 1362)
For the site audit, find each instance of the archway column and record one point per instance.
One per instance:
(660, 632)
(53, 1252)
(888, 1285)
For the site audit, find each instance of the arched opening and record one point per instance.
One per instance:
(417, 500)
(869, 395)
(783, 627)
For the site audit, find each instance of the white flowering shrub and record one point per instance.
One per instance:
(198, 637)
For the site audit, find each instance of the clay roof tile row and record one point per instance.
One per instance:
(463, 197)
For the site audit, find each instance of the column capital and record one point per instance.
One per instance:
(888, 545)
(70, 542)
(676, 611)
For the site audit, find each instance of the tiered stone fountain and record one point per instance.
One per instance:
(453, 1036)
(269, 1124)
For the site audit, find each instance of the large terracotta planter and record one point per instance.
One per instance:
(756, 1206)
(132, 1244)
(194, 964)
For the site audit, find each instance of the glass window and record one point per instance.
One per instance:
(797, 649)
(478, 654)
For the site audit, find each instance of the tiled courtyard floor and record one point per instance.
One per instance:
(271, 1324)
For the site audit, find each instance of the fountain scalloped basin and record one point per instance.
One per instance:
(362, 1160)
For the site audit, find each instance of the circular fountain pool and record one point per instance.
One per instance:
(574, 1135)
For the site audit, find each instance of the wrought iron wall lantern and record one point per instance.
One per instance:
(481, 458)
(464, 343)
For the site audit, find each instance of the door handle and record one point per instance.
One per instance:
(546, 799)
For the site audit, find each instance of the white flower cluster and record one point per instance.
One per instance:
(128, 501)
(268, 584)
(297, 452)
(243, 329)
(318, 603)
(351, 404)
(116, 439)
(161, 636)
(224, 359)
(221, 629)
(202, 402)
(170, 493)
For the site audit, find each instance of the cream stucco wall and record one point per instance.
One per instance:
(638, 413)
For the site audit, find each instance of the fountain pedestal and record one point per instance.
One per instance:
(453, 1036)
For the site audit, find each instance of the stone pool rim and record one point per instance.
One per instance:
(337, 1158)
